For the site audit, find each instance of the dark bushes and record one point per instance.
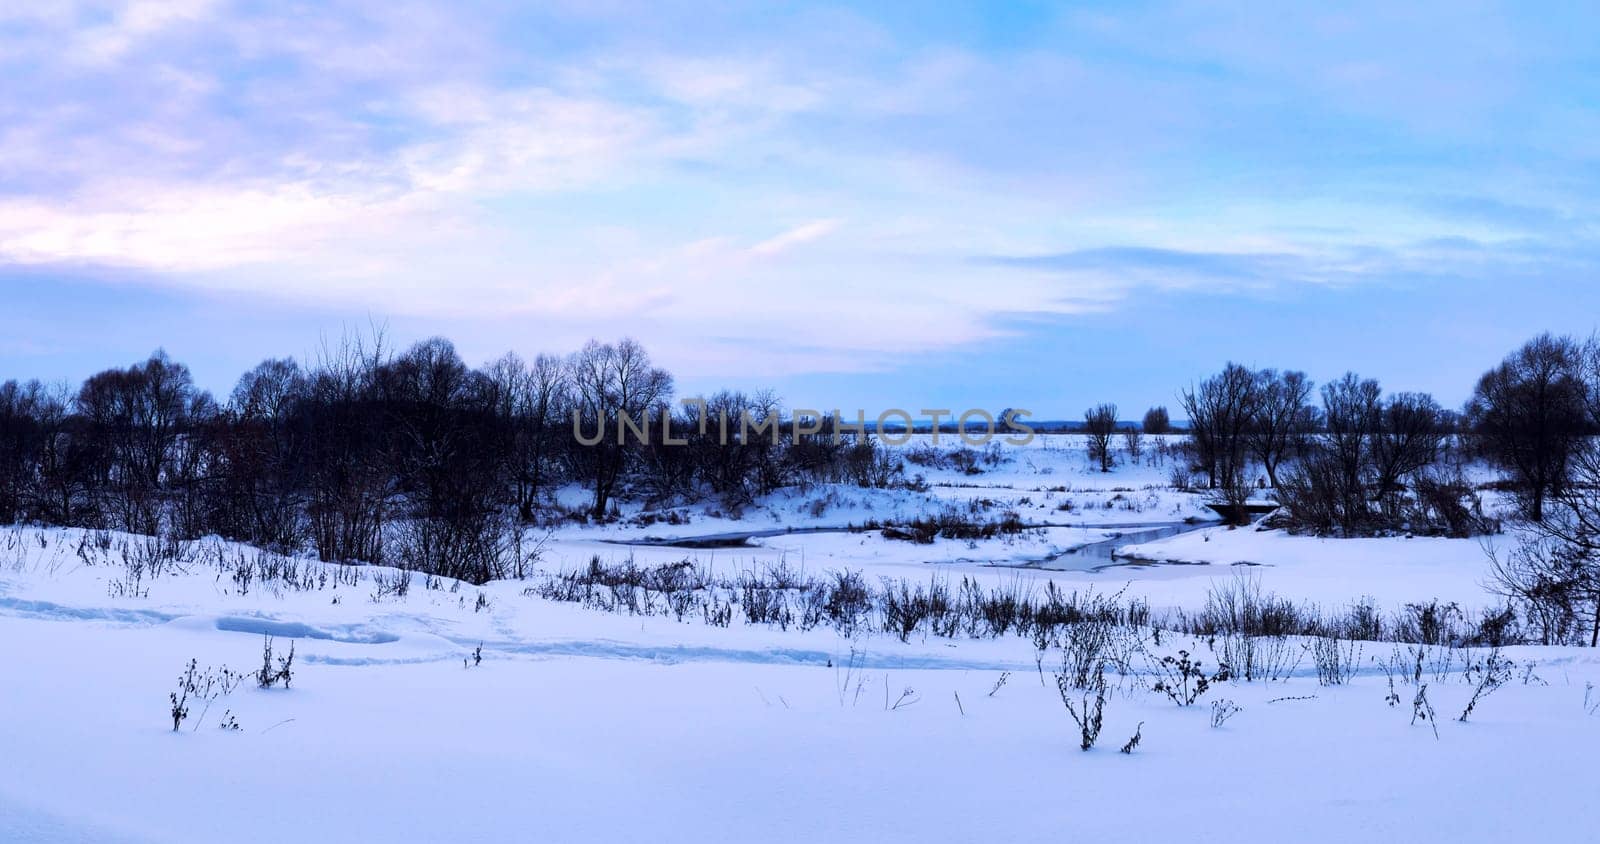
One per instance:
(780, 596)
(1088, 624)
(953, 524)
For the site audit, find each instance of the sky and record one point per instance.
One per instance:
(1039, 205)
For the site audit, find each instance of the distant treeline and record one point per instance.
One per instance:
(414, 458)
(420, 460)
(1355, 460)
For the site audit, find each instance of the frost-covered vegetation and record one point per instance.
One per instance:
(383, 574)
(535, 692)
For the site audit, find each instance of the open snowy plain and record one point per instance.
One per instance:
(577, 704)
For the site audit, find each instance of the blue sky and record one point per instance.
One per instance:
(915, 205)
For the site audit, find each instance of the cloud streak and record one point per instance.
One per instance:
(878, 186)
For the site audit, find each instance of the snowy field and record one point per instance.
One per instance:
(428, 710)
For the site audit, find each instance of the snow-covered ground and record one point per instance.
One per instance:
(583, 725)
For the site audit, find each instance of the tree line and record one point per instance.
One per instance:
(1349, 458)
(414, 458)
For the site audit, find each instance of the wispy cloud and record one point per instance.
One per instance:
(666, 170)
(133, 23)
(794, 237)
(1143, 265)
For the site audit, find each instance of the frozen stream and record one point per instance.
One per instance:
(1090, 556)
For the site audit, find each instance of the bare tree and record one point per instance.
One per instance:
(135, 417)
(1350, 408)
(262, 459)
(1282, 417)
(508, 388)
(349, 481)
(1133, 442)
(531, 401)
(60, 493)
(1156, 422)
(1407, 440)
(1100, 423)
(1529, 415)
(611, 384)
(445, 462)
(1220, 411)
(21, 435)
(1327, 489)
(550, 397)
(1589, 374)
(1554, 572)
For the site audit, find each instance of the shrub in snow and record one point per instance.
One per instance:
(952, 523)
(905, 609)
(1431, 623)
(1183, 679)
(1422, 710)
(1084, 651)
(1238, 605)
(1000, 682)
(1336, 659)
(274, 670)
(907, 697)
(1221, 711)
(1491, 674)
(1133, 742)
(196, 686)
(1256, 657)
(1088, 710)
(849, 679)
(397, 586)
(1181, 476)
